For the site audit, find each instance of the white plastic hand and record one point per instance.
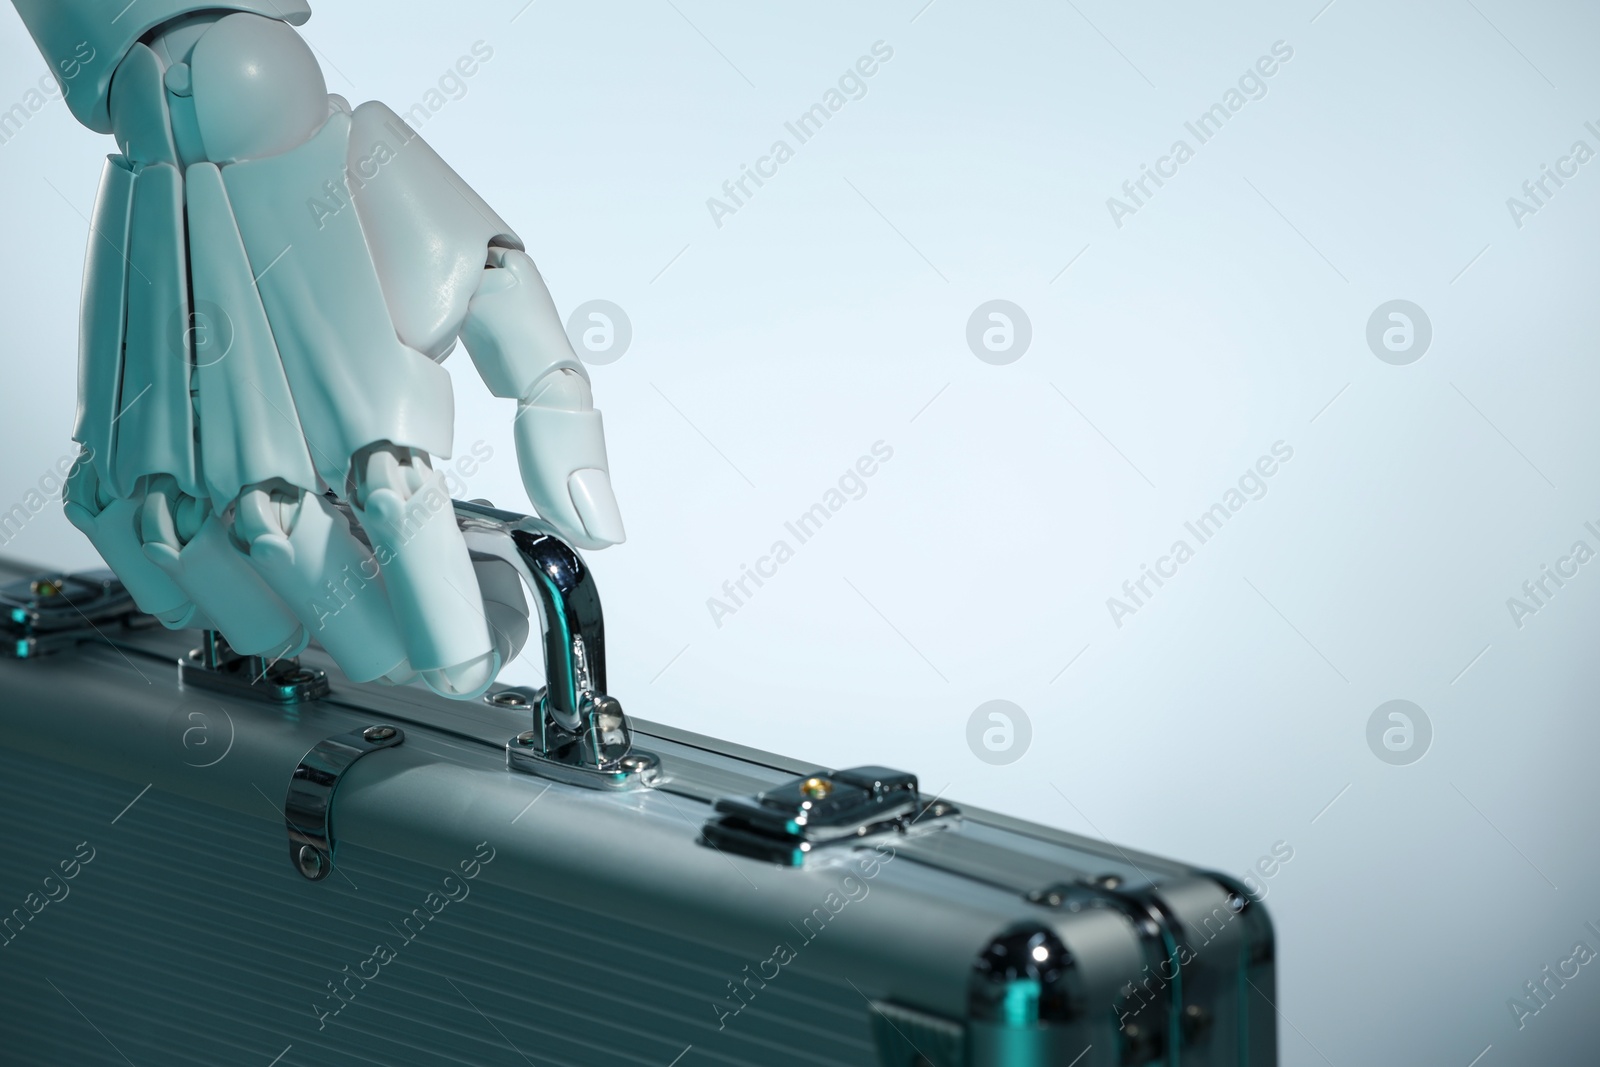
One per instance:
(561, 450)
(244, 356)
(515, 337)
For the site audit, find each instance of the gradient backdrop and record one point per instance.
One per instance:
(1440, 860)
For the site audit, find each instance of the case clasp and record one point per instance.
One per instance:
(830, 808)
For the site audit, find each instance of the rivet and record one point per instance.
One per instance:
(375, 734)
(816, 788)
(310, 861)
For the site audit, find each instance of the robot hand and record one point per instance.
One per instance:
(561, 444)
(272, 280)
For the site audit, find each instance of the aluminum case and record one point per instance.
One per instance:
(474, 914)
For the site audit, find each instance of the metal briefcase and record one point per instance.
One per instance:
(210, 860)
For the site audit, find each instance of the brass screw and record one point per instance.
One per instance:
(46, 587)
(816, 788)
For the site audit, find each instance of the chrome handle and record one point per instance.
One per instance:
(579, 733)
(564, 592)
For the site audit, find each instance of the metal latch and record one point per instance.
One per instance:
(51, 612)
(784, 825)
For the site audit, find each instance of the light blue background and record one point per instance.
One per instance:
(1227, 314)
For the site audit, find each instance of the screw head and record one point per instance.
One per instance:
(312, 863)
(528, 737)
(1109, 881)
(376, 734)
(46, 587)
(816, 788)
(509, 699)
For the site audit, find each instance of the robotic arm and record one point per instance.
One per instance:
(271, 282)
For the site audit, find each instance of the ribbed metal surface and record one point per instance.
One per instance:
(189, 940)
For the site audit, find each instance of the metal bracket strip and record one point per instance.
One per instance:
(308, 808)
